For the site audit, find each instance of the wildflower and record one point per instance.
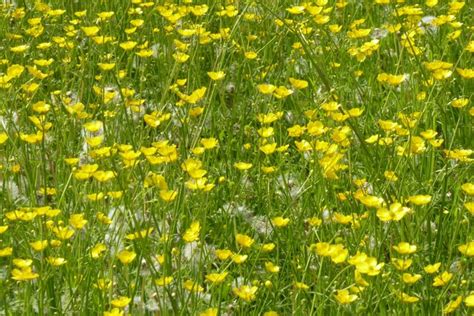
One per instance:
(56, 261)
(97, 250)
(244, 241)
(126, 256)
(243, 165)
(113, 312)
(121, 301)
(452, 305)
(432, 268)
(223, 254)
(442, 279)
(22, 263)
(63, 233)
(390, 79)
(216, 278)
(268, 247)
(77, 221)
(128, 45)
(266, 88)
(343, 297)
(209, 312)
(24, 274)
(219, 75)
(468, 188)
(300, 286)
(401, 264)
(467, 249)
(245, 292)
(280, 221)
(192, 286)
(236, 258)
(410, 278)
(420, 199)
(405, 248)
(469, 300)
(395, 213)
(192, 233)
(164, 280)
(405, 298)
(272, 268)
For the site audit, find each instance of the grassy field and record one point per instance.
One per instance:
(236, 157)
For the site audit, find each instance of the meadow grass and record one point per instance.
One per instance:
(236, 157)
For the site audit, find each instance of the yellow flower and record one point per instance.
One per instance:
(282, 92)
(268, 247)
(280, 221)
(405, 248)
(209, 312)
(223, 254)
(266, 88)
(269, 148)
(244, 241)
(164, 280)
(245, 292)
(97, 250)
(168, 195)
(442, 279)
(395, 213)
(272, 268)
(405, 298)
(39, 245)
(77, 221)
(19, 48)
(219, 75)
(41, 107)
(126, 256)
(243, 165)
(250, 55)
(410, 278)
(192, 233)
(106, 66)
(300, 286)
(180, 57)
(467, 249)
(63, 233)
(401, 264)
(209, 143)
(420, 199)
(121, 301)
(128, 45)
(3, 138)
(469, 300)
(236, 258)
(452, 305)
(432, 268)
(470, 207)
(192, 286)
(459, 103)
(468, 188)
(114, 312)
(3, 229)
(24, 274)
(56, 261)
(298, 84)
(344, 297)
(22, 263)
(14, 71)
(216, 278)
(371, 201)
(393, 80)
